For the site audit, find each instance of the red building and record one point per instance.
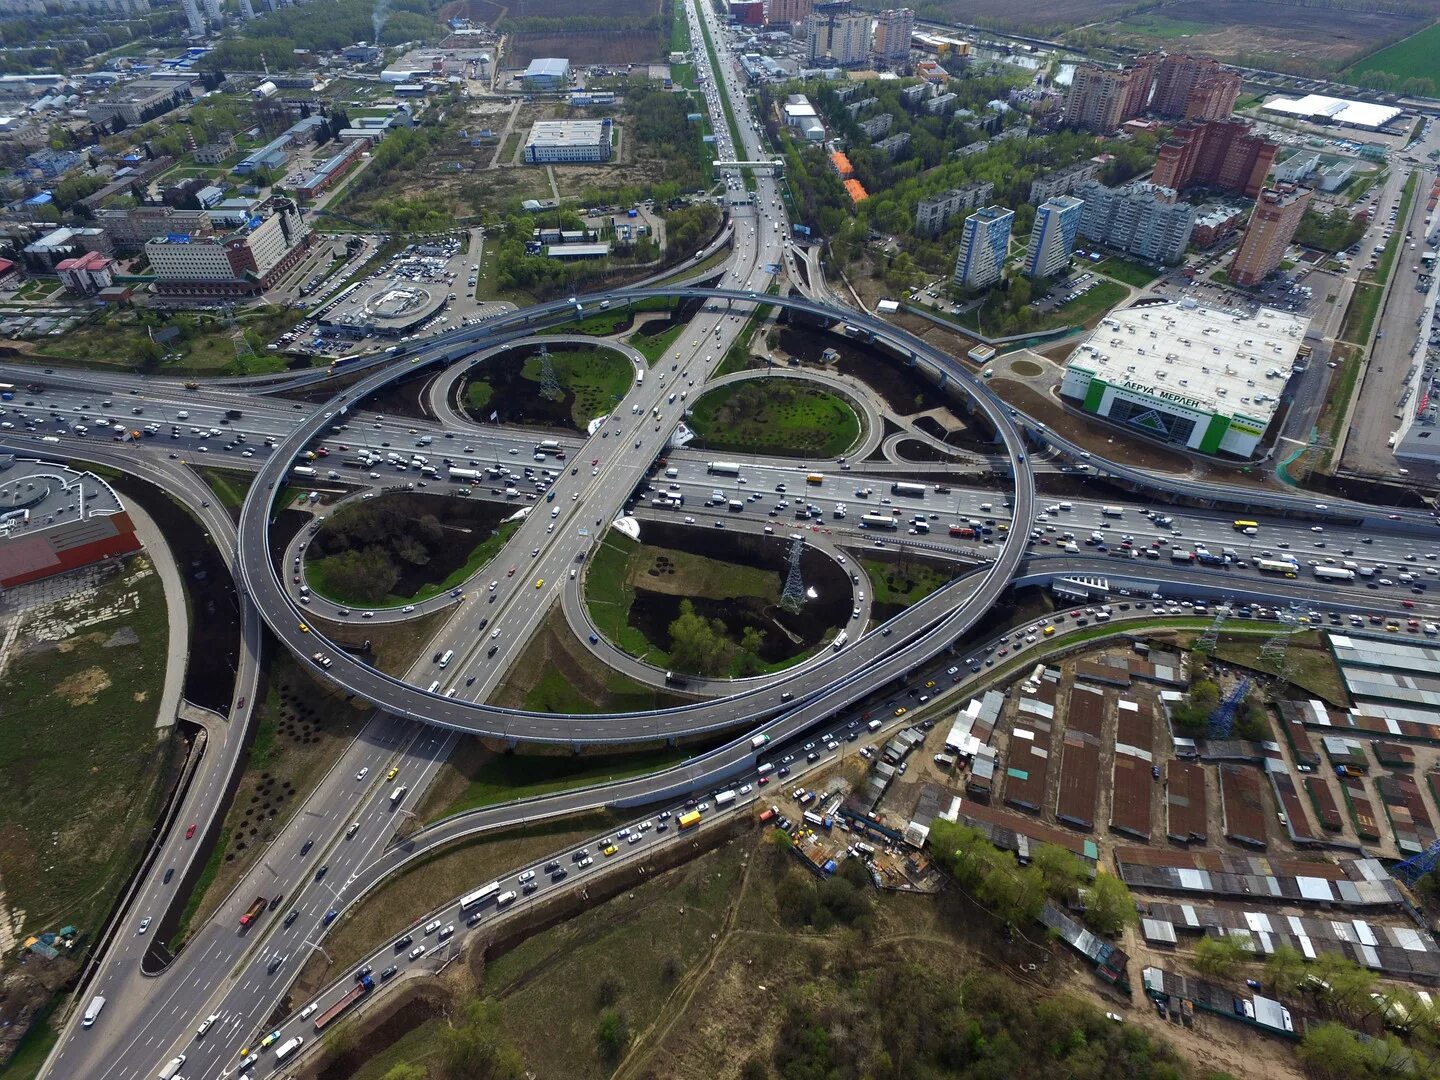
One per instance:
(748, 12)
(1194, 88)
(1221, 154)
(54, 519)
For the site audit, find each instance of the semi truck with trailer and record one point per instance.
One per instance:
(356, 992)
(253, 911)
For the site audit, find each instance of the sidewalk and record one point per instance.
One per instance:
(177, 653)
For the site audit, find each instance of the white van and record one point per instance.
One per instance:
(171, 1067)
(874, 725)
(449, 655)
(93, 1010)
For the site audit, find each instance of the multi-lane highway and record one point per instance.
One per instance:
(348, 823)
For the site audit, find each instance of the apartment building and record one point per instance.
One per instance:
(837, 33)
(1272, 227)
(1052, 237)
(1139, 219)
(893, 29)
(1223, 154)
(1101, 98)
(983, 246)
(1063, 181)
(933, 213)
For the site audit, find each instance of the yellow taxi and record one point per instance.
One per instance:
(901, 711)
(392, 773)
(539, 582)
(304, 629)
(930, 684)
(611, 850)
(1049, 631)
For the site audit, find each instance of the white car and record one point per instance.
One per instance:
(144, 925)
(363, 773)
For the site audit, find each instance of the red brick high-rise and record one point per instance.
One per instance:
(1222, 154)
(1194, 88)
(1272, 226)
(1101, 98)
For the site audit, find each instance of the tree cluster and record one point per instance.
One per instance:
(843, 898)
(366, 545)
(1192, 716)
(1016, 894)
(1333, 231)
(899, 1019)
(321, 28)
(701, 646)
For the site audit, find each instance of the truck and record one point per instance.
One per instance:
(1112, 511)
(1334, 573)
(840, 639)
(303, 470)
(1276, 566)
(758, 741)
(253, 911)
(689, 819)
(285, 1049)
(914, 491)
(724, 799)
(465, 474)
(1209, 558)
(815, 478)
(546, 445)
(356, 992)
(233, 414)
(877, 521)
(768, 816)
(93, 1010)
(723, 468)
(1181, 556)
(735, 506)
(962, 531)
(672, 679)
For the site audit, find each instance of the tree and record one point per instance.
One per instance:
(1285, 970)
(1330, 1050)
(612, 1033)
(1110, 907)
(698, 644)
(476, 1047)
(1062, 870)
(407, 1072)
(1218, 957)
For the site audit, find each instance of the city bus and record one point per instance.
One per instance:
(1275, 566)
(479, 896)
(915, 491)
(1241, 525)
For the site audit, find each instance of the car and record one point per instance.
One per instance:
(305, 847)
(292, 916)
(610, 850)
(321, 871)
(269, 1040)
(388, 973)
(144, 925)
(168, 875)
(540, 583)
(404, 942)
(190, 833)
(419, 950)
(901, 711)
(364, 772)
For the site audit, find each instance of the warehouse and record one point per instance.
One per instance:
(1189, 376)
(554, 142)
(547, 73)
(54, 519)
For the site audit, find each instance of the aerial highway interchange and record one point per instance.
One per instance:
(239, 979)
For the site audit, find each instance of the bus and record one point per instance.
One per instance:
(1240, 525)
(1275, 566)
(914, 491)
(723, 468)
(877, 521)
(815, 478)
(479, 896)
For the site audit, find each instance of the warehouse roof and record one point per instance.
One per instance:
(1336, 110)
(1207, 359)
(568, 133)
(554, 67)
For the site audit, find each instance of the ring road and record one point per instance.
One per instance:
(924, 629)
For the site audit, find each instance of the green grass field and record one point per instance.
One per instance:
(1360, 315)
(524, 776)
(653, 346)
(1413, 57)
(775, 416)
(81, 761)
(600, 378)
(1131, 273)
(890, 587)
(229, 485)
(1161, 26)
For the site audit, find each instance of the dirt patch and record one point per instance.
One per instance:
(84, 686)
(1026, 369)
(1096, 436)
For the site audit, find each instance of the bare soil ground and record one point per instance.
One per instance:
(1043, 16)
(1234, 28)
(1097, 437)
(613, 48)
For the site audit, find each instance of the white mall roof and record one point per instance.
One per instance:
(1218, 360)
(1336, 110)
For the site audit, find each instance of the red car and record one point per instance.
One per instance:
(510, 572)
(190, 833)
(594, 461)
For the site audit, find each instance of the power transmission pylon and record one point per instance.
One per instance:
(793, 598)
(549, 384)
(1211, 637)
(243, 351)
(1417, 866)
(1276, 649)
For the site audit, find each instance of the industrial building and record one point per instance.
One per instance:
(87, 274)
(54, 519)
(396, 307)
(893, 29)
(1189, 376)
(1223, 154)
(983, 247)
(276, 153)
(1320, 109)
(1052, 237)
(318, 179)
(244, 262)
(1139, 219)
(799, 113)
(1272, 227)
(933, 213)
(139, 101)
(547, 73)
(837, 32)
(563, 141)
